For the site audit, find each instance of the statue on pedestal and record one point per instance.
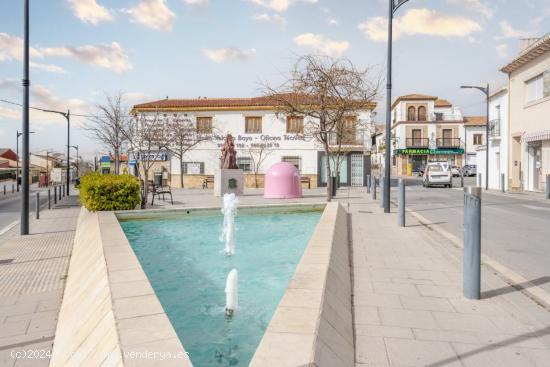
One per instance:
(229, 156)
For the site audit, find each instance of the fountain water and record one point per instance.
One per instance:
(232, 292)
(230, 202)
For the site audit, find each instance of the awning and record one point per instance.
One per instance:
(536, 136)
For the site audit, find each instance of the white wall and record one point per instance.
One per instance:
(498, 146)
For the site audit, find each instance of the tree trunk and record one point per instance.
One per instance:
(256, 179)
(145, 192)
(181, 171)
(117, 161)
(328, 175)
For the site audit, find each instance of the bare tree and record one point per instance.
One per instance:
(148, 136)
(185, 137)
(325, 91)
(108, 125)
(258, 154)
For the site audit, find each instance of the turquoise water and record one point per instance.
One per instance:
(184, 261)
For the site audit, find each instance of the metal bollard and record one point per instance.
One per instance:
(461, 179)
(547, 186)
(55, 194)
(49, 199)
(478, 183)
(63, 190)
(368, 184)
(472, 243)
(401, 215)
(373, 190)
(37, 205)
(12, 188)
(381, 192)
(502, 184)
(4, 189)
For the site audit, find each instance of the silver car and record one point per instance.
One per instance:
(437, 174)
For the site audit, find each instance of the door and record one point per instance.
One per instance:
(537, 172)
(356, 170)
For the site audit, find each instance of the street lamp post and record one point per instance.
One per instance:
(486, 91)
(394, 5)
(67, 116)
(76, 147)
(24, 226)
(17, 158)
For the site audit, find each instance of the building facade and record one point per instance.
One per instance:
(529, 114)
(475, 131)
(262, 137)
(425, 129)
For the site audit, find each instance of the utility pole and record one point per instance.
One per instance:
(24, 226)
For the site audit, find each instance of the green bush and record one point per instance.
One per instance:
(109, 192)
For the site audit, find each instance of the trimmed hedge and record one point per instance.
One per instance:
(109, 192)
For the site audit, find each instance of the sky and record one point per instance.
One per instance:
(84, 50)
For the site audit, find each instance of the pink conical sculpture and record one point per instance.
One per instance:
(282, 181)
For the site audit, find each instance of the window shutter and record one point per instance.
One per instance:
(202, 168)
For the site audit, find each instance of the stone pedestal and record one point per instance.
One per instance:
(229, 181)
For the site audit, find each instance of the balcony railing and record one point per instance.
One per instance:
(448, 142)
(494, 128)
(418, 143)
(350, 139)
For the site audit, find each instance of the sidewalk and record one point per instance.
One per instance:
(32, 280)
(409, 309)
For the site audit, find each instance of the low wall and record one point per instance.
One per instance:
(196, 181)
(312, 325)
(110, 315)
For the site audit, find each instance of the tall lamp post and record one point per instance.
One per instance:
(17, 159)
(67, 116)
(76, 147)
(24, 226)
(486, 91)
(394, 6)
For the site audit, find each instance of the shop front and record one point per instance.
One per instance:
(353, 168)
(413, 160)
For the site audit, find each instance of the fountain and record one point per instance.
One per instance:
(232, 293)
(230, 202)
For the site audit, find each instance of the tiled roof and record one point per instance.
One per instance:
(225, 103)
(475, 120)
(532, 52)
(443, 103)
(413, 97)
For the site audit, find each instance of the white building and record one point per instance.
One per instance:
(425, 129)
(256, 126)
(475, 132)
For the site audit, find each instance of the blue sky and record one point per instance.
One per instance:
(150, 49)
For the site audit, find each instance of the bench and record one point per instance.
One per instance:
(306, 180)
(206, 181)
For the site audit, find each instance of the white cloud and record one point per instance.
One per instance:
(332, 21)
(475, 5)
(89, 11)
(502, 50)
(507, 31)
(196, 3)
(321, 44)
(271, 18)
(154, 14)
(220, 55)
(280, 5)
(11, 48)
(420, 22)
(109, 56)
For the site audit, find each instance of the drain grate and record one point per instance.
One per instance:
(6, 261)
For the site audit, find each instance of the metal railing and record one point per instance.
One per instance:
(345, 139)
(448, 142)
(494, 128)
(417, 142)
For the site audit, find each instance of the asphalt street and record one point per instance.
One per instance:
(10, 205)
(515, 229)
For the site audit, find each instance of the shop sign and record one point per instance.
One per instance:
(420, 151)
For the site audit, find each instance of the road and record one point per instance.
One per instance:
(515, 230)
(10, 206)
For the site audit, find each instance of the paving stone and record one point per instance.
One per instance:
(426, 303)
(473, 355)
(384, 331)
(407, 318)
(370, 350)
(14, 328)
(464, 322)
(421, 353)
(395, 288)
(366, 315)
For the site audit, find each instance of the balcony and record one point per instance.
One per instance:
(448, 142)
(348, 139)
(418, 143)
(494, 129)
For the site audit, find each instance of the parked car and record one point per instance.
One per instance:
(437, 174)
(469, 170)
(455, 171)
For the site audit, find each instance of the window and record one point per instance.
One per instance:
(421, 113)
(295, 125)
(193, 168)
(245, 163)
(204, 125)
(438, 116)
(535, 88)
(478, 139)
(294, 160)
(416, 138)
(253, 125)
(411, 114)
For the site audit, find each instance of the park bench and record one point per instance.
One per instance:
(306, 180)
(207, 180)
